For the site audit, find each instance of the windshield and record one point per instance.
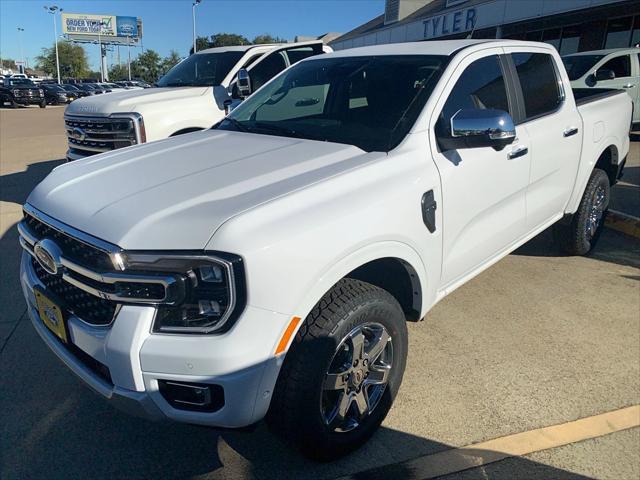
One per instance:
(22, 82)
(369, 102)
(201, 70)
(578, 65)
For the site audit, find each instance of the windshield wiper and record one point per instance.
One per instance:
(275, 128)
(241, 127)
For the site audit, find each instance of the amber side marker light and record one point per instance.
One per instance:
(284, 341)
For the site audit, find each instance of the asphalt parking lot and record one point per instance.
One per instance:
(538, 340)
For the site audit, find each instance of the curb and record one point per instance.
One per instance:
(623, 222)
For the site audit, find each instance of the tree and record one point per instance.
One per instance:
(118, 72)
(146, 66)
(169, 62)
(267, 38)
(228, 39)
(73, 60)
(201, 43)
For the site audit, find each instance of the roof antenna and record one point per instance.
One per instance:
(473, 30)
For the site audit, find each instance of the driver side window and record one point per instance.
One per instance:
(481, 86)
(621, 66)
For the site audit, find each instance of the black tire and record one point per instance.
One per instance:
(296, 411)
(13, 104)
(43, 104)
(578, 236)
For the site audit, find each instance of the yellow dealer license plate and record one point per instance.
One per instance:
(51, 315)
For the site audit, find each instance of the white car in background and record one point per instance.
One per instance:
(617, 68)
(193, 95)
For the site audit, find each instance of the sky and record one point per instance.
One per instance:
(167, 24)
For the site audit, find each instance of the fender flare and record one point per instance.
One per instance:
(582, 177)
(353, 260)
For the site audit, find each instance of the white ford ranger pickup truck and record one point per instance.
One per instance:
(193, 95)
(267, 267)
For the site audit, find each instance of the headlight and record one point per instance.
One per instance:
(214, 290)
(16, 92)
(41, 92)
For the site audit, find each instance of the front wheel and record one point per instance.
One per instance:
(342, 372)
(580, 235)
(43, 104)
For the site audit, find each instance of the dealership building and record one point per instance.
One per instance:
(570, 25)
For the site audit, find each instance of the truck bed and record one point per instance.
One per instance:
(588, 95)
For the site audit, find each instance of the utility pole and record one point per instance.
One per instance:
(20, 30)
(52, 10)
(129, 53)
(193, 14)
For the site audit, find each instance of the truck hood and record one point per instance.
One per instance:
(174, 194)
(131, 100)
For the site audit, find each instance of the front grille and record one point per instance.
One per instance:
(77, 269)
(91, 309)
(86, 255)
(87, 136)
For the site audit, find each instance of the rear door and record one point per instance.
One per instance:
(553, 124)
(483, 190)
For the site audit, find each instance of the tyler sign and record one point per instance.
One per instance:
(450, 23)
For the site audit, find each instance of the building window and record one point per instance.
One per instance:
(552, 37)
(535, 36)
(570, 39)
(539, 83)
(635, 35)
(485, 33)
(618, 33)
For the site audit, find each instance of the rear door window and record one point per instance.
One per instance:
(539, 82)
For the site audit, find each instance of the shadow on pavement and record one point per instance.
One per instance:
(612, 247)
(77, 434)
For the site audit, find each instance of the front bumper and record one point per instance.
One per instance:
(29, 100)
(241, 361)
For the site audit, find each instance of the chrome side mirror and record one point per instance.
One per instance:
(475, 128)
(244, 83)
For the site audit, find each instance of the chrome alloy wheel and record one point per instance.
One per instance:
(357, 377)
(596, 212)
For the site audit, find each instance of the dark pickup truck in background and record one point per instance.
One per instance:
(21, 91)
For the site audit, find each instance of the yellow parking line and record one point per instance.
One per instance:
(525, 443)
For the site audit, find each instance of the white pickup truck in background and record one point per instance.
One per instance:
(617, 68)
(267, 267)
(190, 97)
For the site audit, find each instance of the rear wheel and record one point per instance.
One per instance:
(580, 235)
(342, 372)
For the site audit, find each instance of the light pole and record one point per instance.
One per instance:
(52, 10)
(100, 46)
(193, 14)
(20, 30)
(129, 55)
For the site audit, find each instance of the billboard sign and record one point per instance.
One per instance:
(126, 26)
(83, 25)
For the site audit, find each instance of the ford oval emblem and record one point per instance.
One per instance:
(48, 255)
(78, 134)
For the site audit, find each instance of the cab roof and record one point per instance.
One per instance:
(431, 47)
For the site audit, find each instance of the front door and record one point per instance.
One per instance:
(483, 190)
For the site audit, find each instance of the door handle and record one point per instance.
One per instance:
(518, 152)
(570, 131)
(628, 85)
